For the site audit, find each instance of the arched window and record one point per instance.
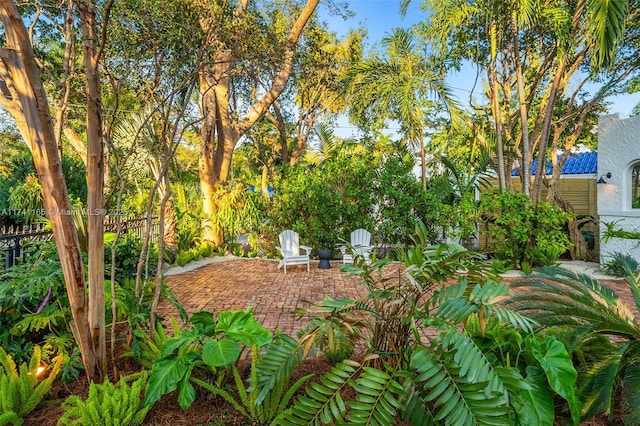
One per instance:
(635, 186)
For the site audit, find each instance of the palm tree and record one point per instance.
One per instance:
(600, 329)
(401, 86)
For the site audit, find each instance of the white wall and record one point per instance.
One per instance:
(618, 152)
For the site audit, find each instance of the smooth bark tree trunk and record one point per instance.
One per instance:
(29, 106)
(495, 107)
(524, 114)
(546, 127)
(95, 183)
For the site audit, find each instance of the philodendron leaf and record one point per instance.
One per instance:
(561, 375)
(186, 392)
(220, 353)
(179, 342)
(537, 401)
(242, 326)
(165, 375)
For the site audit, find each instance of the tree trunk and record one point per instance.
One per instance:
(546, 128)
(524, 115)
(95, 183)
(495, 107)
(33, 108)
(423, 163)
(220, 131)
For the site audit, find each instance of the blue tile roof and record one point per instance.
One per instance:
(576, 164)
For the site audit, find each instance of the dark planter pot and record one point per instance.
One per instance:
(325, 256)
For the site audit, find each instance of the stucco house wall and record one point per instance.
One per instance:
(618, 153)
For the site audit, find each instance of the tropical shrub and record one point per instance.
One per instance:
(521, 233)
(188, 211)
(330, 199)
(269, 392)
(543, 362)
(207, 348)
(33, 303)
(108, 404)
(599, 330)
(127, 250)
(334, 334)
(401, 203)
(237, 210)
(616, 265)
(21, 390)
(422, 366)
(145, 348)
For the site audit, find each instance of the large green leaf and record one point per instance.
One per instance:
(186, 392)
(556, 363)
(537, 401)
(165, 375)
(179, 342)
(243, 327)
(220, 353)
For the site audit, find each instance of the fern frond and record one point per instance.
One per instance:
(20, 391)
(10, 418)
(475, 397)
(378, 398)
(323, 403)
(222, 393)
(516, 320)
(108, 404)
(276, 365)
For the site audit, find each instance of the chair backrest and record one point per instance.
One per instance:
(360, 237)
(290, 241)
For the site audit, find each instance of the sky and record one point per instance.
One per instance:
(381, 16)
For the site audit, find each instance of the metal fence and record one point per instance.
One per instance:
(13, 239)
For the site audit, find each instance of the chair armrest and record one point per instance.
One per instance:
(307, 249)
(343, 249)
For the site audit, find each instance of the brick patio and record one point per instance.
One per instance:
(242, 283)
(237, 283)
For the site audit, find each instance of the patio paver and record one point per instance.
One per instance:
(258, 283)
(242, 283)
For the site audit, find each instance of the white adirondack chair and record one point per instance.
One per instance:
(291, 250)
(360, 246)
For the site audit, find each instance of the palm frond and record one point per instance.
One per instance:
(323, 403)
(560, 297)
(598, 391)
(377, 400)
(605, 28)
(460, 383)
(282, 356)
(631, 394)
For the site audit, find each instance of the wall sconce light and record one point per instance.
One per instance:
(601, 180)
